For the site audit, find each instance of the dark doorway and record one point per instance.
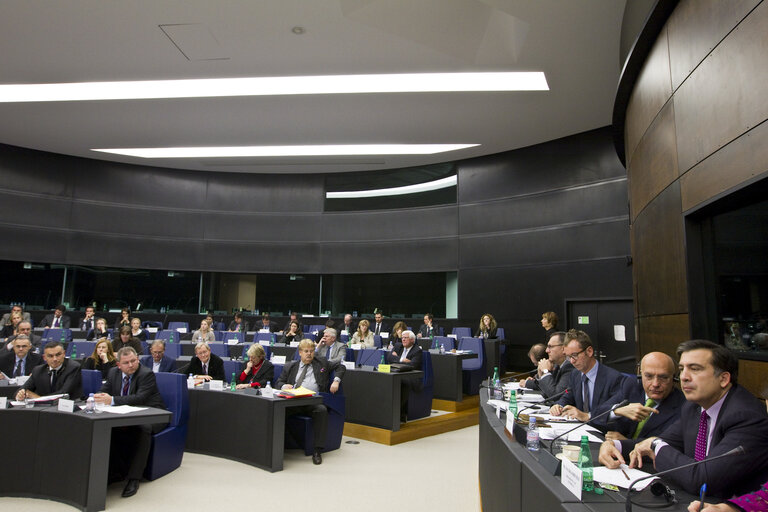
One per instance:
(598, 318)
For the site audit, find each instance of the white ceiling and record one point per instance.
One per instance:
(575, 42)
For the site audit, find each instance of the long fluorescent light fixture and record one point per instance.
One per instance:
(276, 86)
(265, 151)
(450, 181)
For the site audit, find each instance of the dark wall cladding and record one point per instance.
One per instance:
(559, 205)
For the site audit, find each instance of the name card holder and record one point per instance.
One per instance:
(66, 405)
(384, 368)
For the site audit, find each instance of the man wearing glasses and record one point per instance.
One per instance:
(553, 374)
(158, 361)
(592, 385)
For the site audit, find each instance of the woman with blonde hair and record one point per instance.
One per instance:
(258, 371)
(102, 359)
(363, 335)
(487, 327)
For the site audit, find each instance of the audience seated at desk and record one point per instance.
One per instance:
(99, 331)
(15, 309)
(204, 333)
(136, 330)
(124, 320)
(553, 373)
(294, 317)
(378, 325)
(204, 365)
(329, 348)
(238, 324)
(58, 375)
(21, 360)
(487, 328)
(593, 383)
(718, 415)
(396, 335)
(157, 360)
(102, 359)
(655, 402)
(258, 371)
(363, 335)
(12, 327)
(87, 322)
(267, 325)
(292, 333)
(24, 328)
(57, 319)
(348, 325)
(536, 353)
(312, 373)
(429, 328)
(407, 352)
(124, 339)
(131, 384)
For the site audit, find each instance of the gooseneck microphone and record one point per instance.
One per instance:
(553, 397)
(739, 450)
(581, 423)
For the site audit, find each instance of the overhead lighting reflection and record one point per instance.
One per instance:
(271, 151)
(450, 181)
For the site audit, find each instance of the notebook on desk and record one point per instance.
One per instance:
(400, 367)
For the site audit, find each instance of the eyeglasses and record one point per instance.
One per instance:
(555, 345)
(575, 355)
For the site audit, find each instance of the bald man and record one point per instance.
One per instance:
(655, 402)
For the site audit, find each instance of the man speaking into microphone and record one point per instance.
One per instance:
(718, 416)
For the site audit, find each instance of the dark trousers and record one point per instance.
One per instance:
(129, 450)
(319, 416)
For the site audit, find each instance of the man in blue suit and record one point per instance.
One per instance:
(158, 361)
(592, 385)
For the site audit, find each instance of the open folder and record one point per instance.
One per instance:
(295, 392)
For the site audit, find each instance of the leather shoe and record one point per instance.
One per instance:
(131, 488)
(317, 458)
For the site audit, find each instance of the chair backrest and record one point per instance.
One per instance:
(231, 367)
(152, 323)
(500, 333)
(426, 367)
(173, 389)
(219, 349)
(239, 336)
(84, 348)
(173, 350)
(178, 325)
(218, 335)
(477, 346)
(377, 341)
(166, 335)
(55, 335)
(219, 326)
(264, 337)
(278, 371)
(445, 342)
(91, 381)
(462, 332)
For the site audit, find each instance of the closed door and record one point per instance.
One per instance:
(611, 326)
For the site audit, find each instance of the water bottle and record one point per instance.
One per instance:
(383, 359)
(434, 343)
(268, 391)
(232, 382)
(496, 385)
(585, 465)
(532, 436)
(63, 337)
(512, 403)
(170, 338)
(90, 404)
(191, 381)
(442, 348)
(74, 350)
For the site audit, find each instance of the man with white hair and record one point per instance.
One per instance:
(407, 352)
(329, 348)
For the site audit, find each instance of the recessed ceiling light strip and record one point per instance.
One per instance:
(267, 151)
(450, 181)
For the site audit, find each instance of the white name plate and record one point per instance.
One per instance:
(66, 405)
(216, 385)
(570, 476)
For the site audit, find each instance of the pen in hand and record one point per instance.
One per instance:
(702, 495)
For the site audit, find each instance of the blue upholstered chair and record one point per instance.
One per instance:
(264, 337)
(420, 401)
(300, 434)
(91, 381)
(462, 332)
(473, 369)
(166, 335)
(369, 357)
(219, 349)
(168, 445)
(238, 335)
(230, 367)
(172, 326)
(55, 335)
(446, 342)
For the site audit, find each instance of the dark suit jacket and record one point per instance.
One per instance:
(8, 363)
(426, 332)
(34, 339)
(607, 383)
(243, 326)
(48, 321)
(559, 379)
(669, 411)
(167, 364)
(142, 391)
(384, 327)
(272, 326)
(69, 380)
(86, 327)
(260, 378)
(491, 333)
(215, 367)
(414, 355)
(321, 367)
(742, 421)
(117, 344)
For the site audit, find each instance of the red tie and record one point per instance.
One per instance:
(701, 437)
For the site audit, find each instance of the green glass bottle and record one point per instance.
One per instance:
(585, 465)
(512, 403)
(232, 383)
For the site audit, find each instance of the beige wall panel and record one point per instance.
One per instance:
(726, 95)
(753, 376)
(696, 27)
(654, 165)
(652, 90)
(659, 256)
(662, 333)
(744, 159)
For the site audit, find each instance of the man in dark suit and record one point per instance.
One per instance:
(157, 361)
(553, 373)
(238, 324)
(24, 328)
(20, 361)
(88, 322)
(718, 415)
(379, 326)
(205, 365)
(268, 324)
(57, 319)
(429, 328)
(58, 375)
(312, 373)
(130, 383)
(329, 348)
(592, 385)
(348, 324)
(407, 352)
(655, 402)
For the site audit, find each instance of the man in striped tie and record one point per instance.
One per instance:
(718, 416)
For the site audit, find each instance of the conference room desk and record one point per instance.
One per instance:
(373, 398)
(512, 479)
(281, 349)
(62, 456)
(447, 380)
(240, 425)
(9, 391)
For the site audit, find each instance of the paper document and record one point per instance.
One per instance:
(575, 436)
(300, 391)
(617, 478)
(122, 409)
(619, 333)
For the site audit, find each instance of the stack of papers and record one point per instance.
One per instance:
(619, 478)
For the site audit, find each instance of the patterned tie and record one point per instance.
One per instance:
(701, 437)
(585, 391)
(56, 322)
(648, 403)
(126, 382)
(205, 368)
(300, 380)
(17, 372)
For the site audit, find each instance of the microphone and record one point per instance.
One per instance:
(553, 397)
(739, 450)
(620, 404)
